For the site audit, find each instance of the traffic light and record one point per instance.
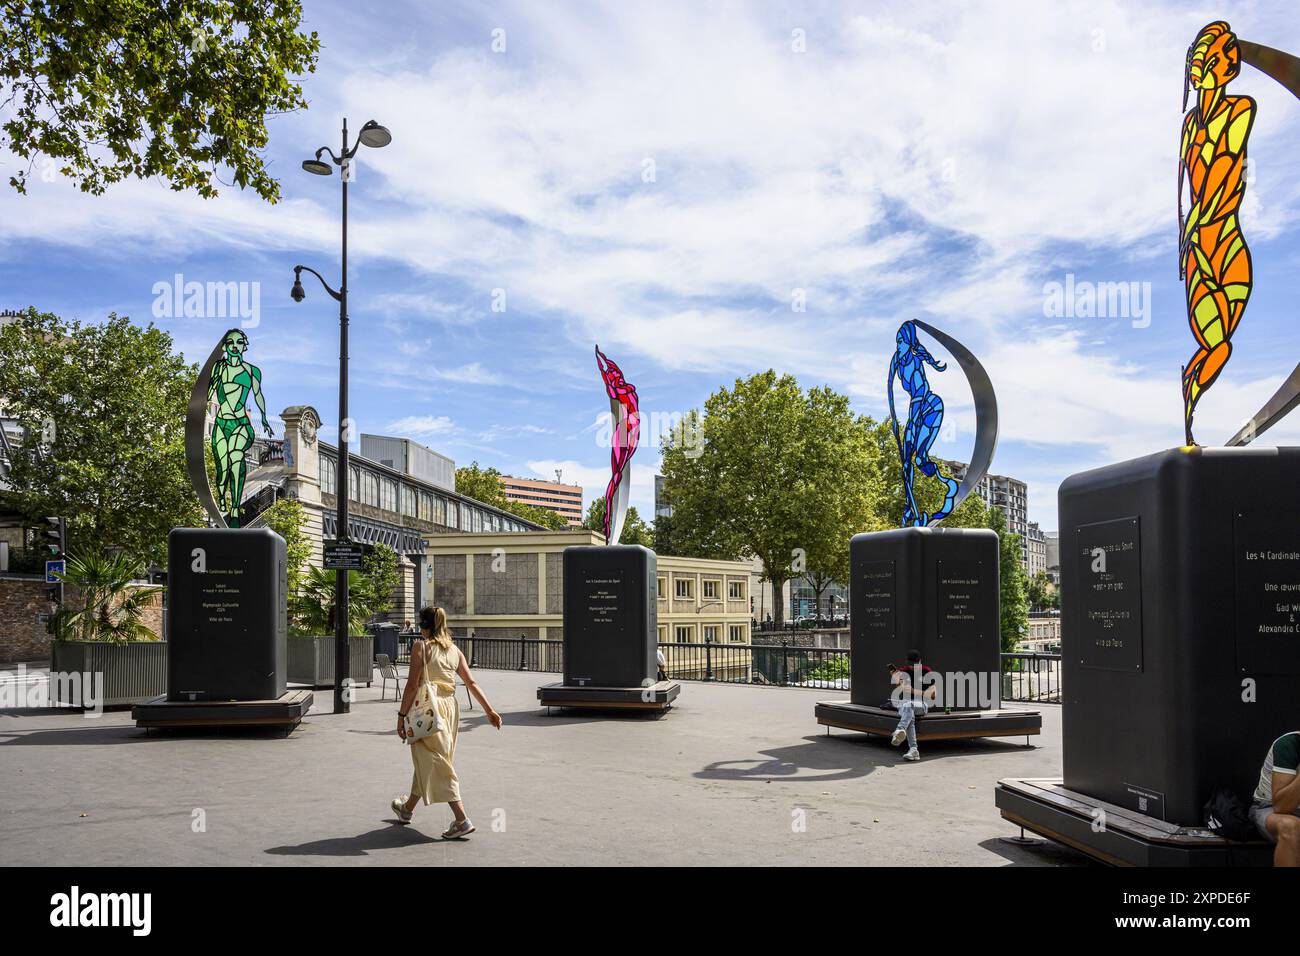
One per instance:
(55, 536)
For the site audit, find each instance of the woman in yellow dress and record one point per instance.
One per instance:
(436, 659)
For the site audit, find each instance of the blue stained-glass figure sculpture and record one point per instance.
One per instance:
(924, 419)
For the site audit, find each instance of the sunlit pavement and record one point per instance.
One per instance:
(732, 775)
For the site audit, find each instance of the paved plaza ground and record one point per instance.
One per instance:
(727, 777)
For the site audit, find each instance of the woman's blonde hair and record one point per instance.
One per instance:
(433, 620)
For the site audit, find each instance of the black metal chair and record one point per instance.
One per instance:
(387, 672)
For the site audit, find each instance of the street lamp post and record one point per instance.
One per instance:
(375, 136)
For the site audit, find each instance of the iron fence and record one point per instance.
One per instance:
(1025, 677)
(1032, 677)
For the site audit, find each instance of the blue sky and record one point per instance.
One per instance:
(667, 179)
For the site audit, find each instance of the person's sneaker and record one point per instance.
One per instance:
(912, 754)
(398, 806)
(898, 738)
(458, 831)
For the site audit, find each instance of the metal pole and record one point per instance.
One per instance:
(342, 669)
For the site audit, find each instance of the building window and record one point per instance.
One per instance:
(682, 633)
(736, 633)
(661, 588)
(685, 588)
(736, 590)
(710, 589)
(408, 501)
(710, 633)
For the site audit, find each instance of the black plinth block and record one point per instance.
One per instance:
(226, 614)
(934, 590)
(610, 616)
(1180, 593)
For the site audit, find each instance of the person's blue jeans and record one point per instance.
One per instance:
(908, 711)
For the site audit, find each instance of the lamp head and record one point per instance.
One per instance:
(374, 135)
(316, 167)
(297, 293)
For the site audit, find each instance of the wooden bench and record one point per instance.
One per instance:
(1117, 835)
(286, 712)
(655, 698)
(936, 725)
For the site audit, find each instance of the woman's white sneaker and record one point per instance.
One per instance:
(458, 831)
(912, 754)
(398, 806)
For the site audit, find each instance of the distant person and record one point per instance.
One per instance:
(912, 696)
(436, 659)
(662, 663)
(1277, 799)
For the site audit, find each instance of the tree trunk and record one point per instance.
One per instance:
(778, 601)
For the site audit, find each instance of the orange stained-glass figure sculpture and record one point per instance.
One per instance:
(1214, 261)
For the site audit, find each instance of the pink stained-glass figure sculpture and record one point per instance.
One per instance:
(625, 418)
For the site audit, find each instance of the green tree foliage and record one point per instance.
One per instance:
(103, 412)
(551, 520)
(286, 519)
(780, 473)
(1014, 603)
(311, 610)
(635, 531)
(370, 594)
(104, 605)
(1042, 594)
(481, 484)
(181, 90)
(380, 576)
(484, 484)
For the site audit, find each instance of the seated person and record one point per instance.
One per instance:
(912, 696)
(1277, 799)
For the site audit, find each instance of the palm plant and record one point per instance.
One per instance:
(312, 608)
(111, 609)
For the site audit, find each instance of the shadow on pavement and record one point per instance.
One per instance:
(790, 764)
(393, 836)
(77, 736)
(932, 749)
(1038, 853)
(130, 734)
(538, 717)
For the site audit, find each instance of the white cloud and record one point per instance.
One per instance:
(917, 160)
(423, 426)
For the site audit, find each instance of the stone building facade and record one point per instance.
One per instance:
(385, 503)
(511, 585)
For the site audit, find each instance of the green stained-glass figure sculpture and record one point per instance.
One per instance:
(232, 383)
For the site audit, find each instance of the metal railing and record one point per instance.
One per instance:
(1032, 678)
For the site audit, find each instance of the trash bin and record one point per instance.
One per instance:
(385, 635)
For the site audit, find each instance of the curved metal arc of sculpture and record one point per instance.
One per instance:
(196, 414)
(1285, 69)
(625, 433)
(986, 410)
